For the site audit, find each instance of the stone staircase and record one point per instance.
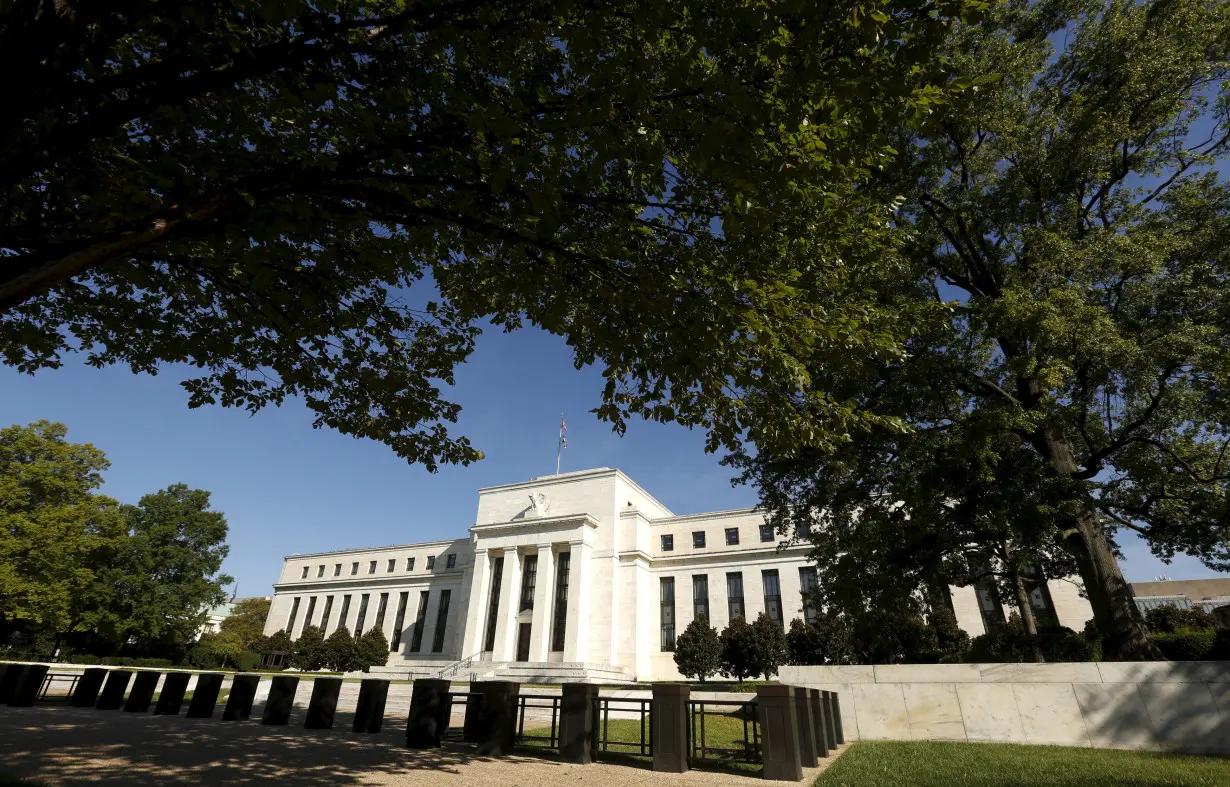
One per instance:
(519, 671)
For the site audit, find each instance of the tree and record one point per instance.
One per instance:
(165, 576)
(372, 649)
(247, 620)
(698, 650)
(252, 188)
(342, 651)
(807, 644)
(1067, 223)
(55, 532)
(738, 650)
(770, 649)
(310, 653)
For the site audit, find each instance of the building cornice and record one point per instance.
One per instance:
(538, 523)
(390, 548)
(562, 478)
(730, 514)
(352, 583)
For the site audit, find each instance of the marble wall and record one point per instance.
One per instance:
(1160, 706)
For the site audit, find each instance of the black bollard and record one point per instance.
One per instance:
(830, 727)
(205, 696)
(836, 703)
(431, 707)
(243, 693)
(669, 722)
(369, 712)
(323, 705)
(10, 679)
(779, 732)
(112, 696)
(142, 693)
(576, 722)
(281, 699)
(171, 698)
(31, 684)
(88, 686)
(807, 728)
(817, 716)
(494, 726)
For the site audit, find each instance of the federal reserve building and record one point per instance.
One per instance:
(577, 576)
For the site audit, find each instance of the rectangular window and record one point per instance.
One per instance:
(354, 568)
(732, 536)
(420, 620)
(392, 565)
(668, 543)
(399, 622)
(337, 570)
(306, 569)
(700, 596)
(341, 619)
(320, 572)
(668, 613)
(698, 539)
(766, 533)
(358, 623)
(371, 567)
(381, 609)
(324, 620)
(307, 621)
(431, 562)
(561, 601)
(807, 588)
(734, 595)
(451, 562)
(294, 613)
(437, 643)
(409, 564)
(772, 596)
(529, 577)
(493, 603)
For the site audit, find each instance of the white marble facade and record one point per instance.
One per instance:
(614, 537)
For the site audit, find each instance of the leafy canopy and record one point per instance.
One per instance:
(268, 191)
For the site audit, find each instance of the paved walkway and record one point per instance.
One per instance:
(68, 746)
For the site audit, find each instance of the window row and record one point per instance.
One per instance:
(416, 634)
(732, 538)
(450, 562)
(735, 606)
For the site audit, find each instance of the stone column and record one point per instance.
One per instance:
(112, 696)
(510, 600)
(31, 683)
(369, 711)
(281, 699)
(807, 728)
(544, 597)
(576, 635)
(830, 727)
(430, 709)
(88, 686)
(669, 720)
(491, 721)
(817, 717)
(171, 698)
(475, 621)
(205, 696)
(142, 693)
(243, 693)
(779, 733)
(576, 722)
(323, 705)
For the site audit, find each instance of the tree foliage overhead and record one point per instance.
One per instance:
(251, 188)
(1068, 221)
(247, 621)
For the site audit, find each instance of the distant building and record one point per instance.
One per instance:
(1206, 594)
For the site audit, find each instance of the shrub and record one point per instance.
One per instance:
(1168, 620)
(247, 661)
(1008, 645)
(806, 643)
(771, 650)
(698, 650)
(373, 649)
(1186, 645)
(737, 650)
(341, 651)
(203, 657)
(310, 653)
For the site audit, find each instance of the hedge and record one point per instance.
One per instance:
(117, 661)
(1186, 645)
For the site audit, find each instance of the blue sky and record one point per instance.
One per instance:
(286, 487)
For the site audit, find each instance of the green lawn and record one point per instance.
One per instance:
(942, 764)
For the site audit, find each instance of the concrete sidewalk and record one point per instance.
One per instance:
(69, 746)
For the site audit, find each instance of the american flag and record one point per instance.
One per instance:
(563, 427)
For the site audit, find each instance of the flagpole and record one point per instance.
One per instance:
(559, 444)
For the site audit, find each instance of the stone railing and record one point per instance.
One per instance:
(1160, 706)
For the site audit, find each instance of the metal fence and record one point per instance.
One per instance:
(51, 678)
(625, 710)
(453, 732)
(714, 731)
(536, 737)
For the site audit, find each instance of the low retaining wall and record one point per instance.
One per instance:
(1160, 706)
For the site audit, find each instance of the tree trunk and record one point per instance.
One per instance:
(1124, 635)
(1027, 614)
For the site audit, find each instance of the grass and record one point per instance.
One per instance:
(944, 764)
(722, 732)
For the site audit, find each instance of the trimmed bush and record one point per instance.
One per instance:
(247, 661)
(203, 657)
(698, 650)
(1168, 619)
(1008, 645)
(1186, 645)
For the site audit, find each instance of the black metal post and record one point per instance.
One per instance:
(205, 695)
(576, 722)
(281, 699)
(86, 693)
(171, 698)
(243, 694)
(494, 723)
(142, 693)
(779, 730)
(669, 727)
(817, 715)
(431, 706)
(369, 712)
(26, 693)
(323, 705)
(807, 730)
(112, 696)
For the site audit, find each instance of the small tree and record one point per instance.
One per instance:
(738, 646)
(806, 643)
(310, 653)
(770, 649)
(373, 649)
(247, 621)
(342, 651)
(277, 642)
(698, 650)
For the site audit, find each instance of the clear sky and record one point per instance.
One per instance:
(287, 488)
